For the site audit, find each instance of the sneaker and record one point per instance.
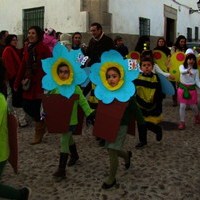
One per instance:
(26, 193)
(181, 126)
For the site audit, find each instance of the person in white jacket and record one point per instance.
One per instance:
(187, 92)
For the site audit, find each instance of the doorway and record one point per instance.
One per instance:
(170, 15)
(170, 31)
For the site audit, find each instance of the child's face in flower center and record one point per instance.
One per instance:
(63, 72)
(112, 77)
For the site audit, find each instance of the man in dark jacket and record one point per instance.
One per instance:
(98, 43)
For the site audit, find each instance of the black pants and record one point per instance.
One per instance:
(174, 97)
(32, 108)
(142, 130)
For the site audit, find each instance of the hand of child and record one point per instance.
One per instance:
(171, 77)
(42, 115)
(90, 120)
(189, 71)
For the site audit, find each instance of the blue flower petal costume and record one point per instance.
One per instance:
(113, 101)
(77, 75)
(125, 88)
(59, 103)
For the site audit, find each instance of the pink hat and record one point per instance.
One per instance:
(49, 31)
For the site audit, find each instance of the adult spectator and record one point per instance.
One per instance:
(12, 61)
(98, 43)
(162, 46)
(3, 35)
(30, 75)
(120, 47)
(77, 42)
(179, 45)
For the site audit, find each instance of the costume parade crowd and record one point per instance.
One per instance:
(57, 81)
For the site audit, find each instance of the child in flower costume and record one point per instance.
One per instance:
(63, 75)
(113, 78)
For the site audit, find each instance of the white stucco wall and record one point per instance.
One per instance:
(127, 20)
(65, 15)
(62, 15)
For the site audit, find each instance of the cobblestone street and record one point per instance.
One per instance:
(168, 170)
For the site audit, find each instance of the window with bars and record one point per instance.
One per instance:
(144, 26)
(196, 33)
(32, 17)
(189, 34)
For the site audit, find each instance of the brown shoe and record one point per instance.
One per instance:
(40, 129)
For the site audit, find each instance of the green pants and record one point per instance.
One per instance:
(6, 191)
(66, 141)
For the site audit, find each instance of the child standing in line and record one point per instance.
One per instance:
(68, 145)
(6, 191)
(149, 98)
(114, 148)
(187, 93)
(156, 68)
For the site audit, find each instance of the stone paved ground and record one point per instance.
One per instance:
(169, 170)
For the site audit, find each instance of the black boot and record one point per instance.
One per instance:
(155, 128)
(74, 155)
(142, 131)
(61, 173)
